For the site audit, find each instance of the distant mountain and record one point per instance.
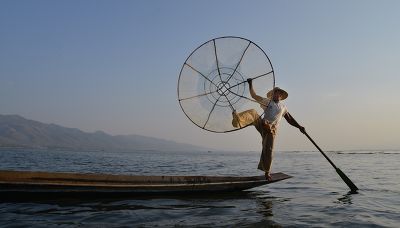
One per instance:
(16, 131)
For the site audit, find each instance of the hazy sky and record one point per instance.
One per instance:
(114, 65)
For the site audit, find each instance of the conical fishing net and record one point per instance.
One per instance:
(213, 82)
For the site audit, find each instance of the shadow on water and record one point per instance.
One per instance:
(244, 209)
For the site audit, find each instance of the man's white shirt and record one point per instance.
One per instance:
(273, 111)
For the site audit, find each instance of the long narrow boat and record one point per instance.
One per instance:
(51, 182)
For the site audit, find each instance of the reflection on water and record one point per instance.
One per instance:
(346, 199)
(264, 207)
(229, 209)
(315, 196)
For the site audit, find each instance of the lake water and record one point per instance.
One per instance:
(315, 196)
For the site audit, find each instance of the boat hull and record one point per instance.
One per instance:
(50, 182)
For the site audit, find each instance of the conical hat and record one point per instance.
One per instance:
(283, 93)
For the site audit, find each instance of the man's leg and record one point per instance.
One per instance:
(245, 118)
(267, 151)
(268, 135)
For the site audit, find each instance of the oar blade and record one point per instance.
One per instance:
(347, 180)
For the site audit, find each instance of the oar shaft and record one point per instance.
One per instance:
(346, 179)
(327, 158)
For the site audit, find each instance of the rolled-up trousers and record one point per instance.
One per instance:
(267, 132)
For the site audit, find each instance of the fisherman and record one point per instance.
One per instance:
(267, 125)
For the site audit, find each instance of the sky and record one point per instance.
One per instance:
(114, 66)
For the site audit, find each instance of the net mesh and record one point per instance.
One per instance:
(213, 82)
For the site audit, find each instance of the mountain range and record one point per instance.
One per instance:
(18, 132)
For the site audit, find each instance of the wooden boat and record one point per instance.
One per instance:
(50, 182)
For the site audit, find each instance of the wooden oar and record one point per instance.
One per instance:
(347, 180)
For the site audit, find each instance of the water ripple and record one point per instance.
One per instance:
(314, 197)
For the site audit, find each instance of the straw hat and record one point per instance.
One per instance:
(283, 93)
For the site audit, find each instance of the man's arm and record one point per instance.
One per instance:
(252, 92)
(293, 122)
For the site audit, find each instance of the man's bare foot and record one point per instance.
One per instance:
(268, 177)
